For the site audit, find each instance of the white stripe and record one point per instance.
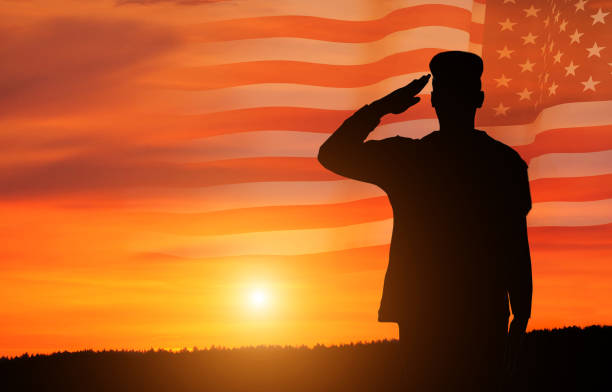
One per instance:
(478, 12)
(289, 242)
(248, 195)
(475, 48)
(251, 145)
(587, 213)
(259, 144)
(284, 94)
(571, 165)
(316, 51)
(567, 115)
(336, 9)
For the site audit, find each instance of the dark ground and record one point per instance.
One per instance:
(569, 359)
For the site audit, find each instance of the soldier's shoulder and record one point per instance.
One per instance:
(403, 141)
(389, 145)
(430, 136)
(387, 142)
(400, 141)
(502, 150)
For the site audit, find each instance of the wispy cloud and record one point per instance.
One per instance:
(60, 63)
(179, 2)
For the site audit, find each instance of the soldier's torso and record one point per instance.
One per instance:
(448, 200)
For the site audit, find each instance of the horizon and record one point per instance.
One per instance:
(180, 350)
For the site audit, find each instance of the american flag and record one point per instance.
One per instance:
(270, 85)
(275, 84)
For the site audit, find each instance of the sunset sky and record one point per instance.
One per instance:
(159, 187)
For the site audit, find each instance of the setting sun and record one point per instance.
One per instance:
(258, 298)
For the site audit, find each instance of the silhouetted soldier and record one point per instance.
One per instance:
(459, 246)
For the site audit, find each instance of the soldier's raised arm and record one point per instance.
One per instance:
(345, 152)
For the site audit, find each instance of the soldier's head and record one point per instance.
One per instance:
(456, 85)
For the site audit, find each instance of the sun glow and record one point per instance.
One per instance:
(258, 298)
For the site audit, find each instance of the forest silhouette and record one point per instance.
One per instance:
(568, 359)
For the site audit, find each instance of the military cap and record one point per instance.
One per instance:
(456, 69)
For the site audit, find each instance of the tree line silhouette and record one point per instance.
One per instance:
(568, 359)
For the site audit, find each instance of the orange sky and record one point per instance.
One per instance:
(99, 188)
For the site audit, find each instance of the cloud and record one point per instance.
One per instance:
(62, 64)
(180, 2)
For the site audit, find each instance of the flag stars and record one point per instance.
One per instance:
(557, 57)
(502, 81)
(563, 25)
(525, 94)
(594, 50)
(507, 25)
(531, 11)
(557, 15)
(527, 66)
(576, 37)
(529, 39)
(590, 84)
(552, 89)
(546, 21)
(550, 47)
(571, 69)
(501, 110)
(580, 5)
(599, 17)
(505, 52)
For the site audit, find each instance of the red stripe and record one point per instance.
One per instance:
(476, 32)
(335, 30)
(568, 140)
(572, 189)
(296, 72)
(571, 237)
(277, 118)
(270, 218)
(88, 174)
(233, 171)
